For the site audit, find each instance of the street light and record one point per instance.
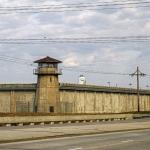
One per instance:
(108, 83)
(147, 87)
(130, 85)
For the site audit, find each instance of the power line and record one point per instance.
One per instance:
(91, 71)
(67, 8)
(80, 6)
(138, 39)
(28, 62)
(123, 37)
(74, 42)
(59, 11)
(15, 60)
(9, 57)
(73, 4)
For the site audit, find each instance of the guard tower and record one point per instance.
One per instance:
(47, 94)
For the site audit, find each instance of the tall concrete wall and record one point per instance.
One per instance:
(16, 95)
(96, 99)
(74, 99)
(10, 100)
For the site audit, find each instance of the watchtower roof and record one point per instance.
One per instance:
(47, 60)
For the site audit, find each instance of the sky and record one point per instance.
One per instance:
(118, 57)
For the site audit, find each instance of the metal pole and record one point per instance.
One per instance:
(138, 89)
(138, 73)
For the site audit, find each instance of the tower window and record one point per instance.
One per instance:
(50, 79)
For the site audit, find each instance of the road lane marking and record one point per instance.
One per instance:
(127, 141)
(114, 144)
(64, 138)
(75, 149)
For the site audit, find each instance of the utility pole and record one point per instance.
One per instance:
(138, 73)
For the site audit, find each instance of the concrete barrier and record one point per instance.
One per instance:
(32, 120)
(138, 116)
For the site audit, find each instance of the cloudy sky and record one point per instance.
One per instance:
(40, 19)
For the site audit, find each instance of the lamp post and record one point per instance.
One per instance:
(147, 87)
(130, 85)
(108, 83)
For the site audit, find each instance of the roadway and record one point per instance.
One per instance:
(129, 140)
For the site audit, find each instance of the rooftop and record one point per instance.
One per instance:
(47, 60)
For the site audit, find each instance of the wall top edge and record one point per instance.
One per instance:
(23, 85)
(99, 87)
(103, 90)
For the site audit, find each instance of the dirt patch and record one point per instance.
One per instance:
(56, 114)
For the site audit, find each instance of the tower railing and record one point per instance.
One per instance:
(54, 71)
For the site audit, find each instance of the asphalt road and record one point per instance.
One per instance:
(133, 140)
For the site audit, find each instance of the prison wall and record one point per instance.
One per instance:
(17, 97)
(75, 98)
